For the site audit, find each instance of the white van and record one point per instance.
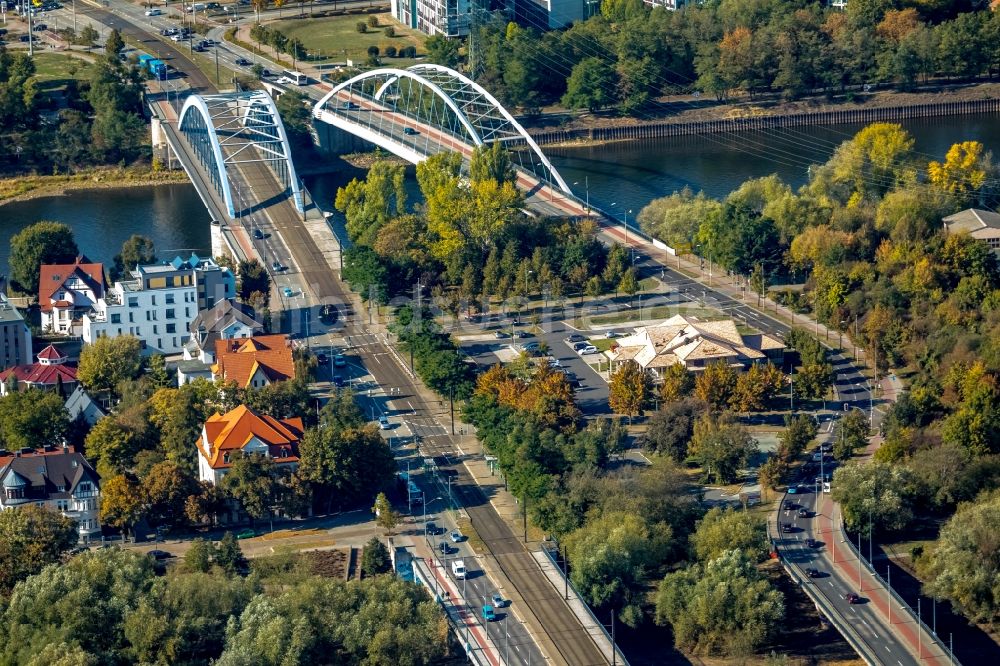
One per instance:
(458, 568)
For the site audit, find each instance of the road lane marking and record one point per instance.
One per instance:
(887, 649)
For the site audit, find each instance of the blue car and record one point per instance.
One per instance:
(793, 490)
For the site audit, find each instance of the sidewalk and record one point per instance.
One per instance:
(847, 561)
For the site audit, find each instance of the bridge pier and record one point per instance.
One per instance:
(335, 141)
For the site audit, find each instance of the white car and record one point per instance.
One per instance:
(589, 349)
(284, 80)
(383, 423)
(153, 12)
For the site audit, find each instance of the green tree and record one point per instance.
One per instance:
(671, 428)
(35, 245)
(589, 85)
(229, 555)
(345, 464)
(31, 537)
(32, 418)
(114, 44)
(252, 482)
(800, 430)
(375, 559)
(723, 607)
(136, 251)
(722, 530)
(629, 389)
(962, 565)
(166, 488)
(442, 51)
(366, 273)
(882, 493)
(629, 284)
(491, 162)
(610, 559)
(721, 447)
(677, 384)
(253, 277)
(199, 556)
(385, 516)
(107, 362)
(852, 434)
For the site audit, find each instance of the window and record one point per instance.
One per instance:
(133, 301)
(225, 458)
(149, 316)
(116, 319)
(131, 318)
(187, 313)
(155, 329)
(170, 299)
(170, 313)
(171, 328)
(62, 505)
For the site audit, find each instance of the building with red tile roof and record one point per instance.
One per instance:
(254, 362)
(242, 430)
(51, 370)
(67, 291)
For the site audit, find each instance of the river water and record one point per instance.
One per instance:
(626, 174)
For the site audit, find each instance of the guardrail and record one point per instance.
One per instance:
(822, 603)
(548, 553)
(899, 600)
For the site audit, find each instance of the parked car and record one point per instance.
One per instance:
(589, 349)
(580, 345)
(246, 534)
(40, 27)
(531, 346)
(159, 555)
(500, 335)
(611, 334)
(576, 337)
(522, 334)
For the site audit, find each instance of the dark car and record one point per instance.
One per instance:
(258, 234)
(813, 573)
(445, 548)
(159, 555)
(432, 528)
(322, 358)
(580, 345)
(276, 265)
(804, 513)
(339, 381)
(523, 334)
(790, 505)
(242, 62)
(852, 598)
(266, 73)
(576, 337)
(787, 527)
(409, 131)
(40, 27)
(812, 543)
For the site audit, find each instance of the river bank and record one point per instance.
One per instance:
(32, 186)
(684, 115)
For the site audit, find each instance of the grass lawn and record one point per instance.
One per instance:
(337, 37)
(54, 70)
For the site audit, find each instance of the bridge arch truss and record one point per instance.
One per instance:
(230, 129)
(441, 97)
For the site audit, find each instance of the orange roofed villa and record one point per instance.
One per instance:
(225, 436)
(694, 344)
(254, 362)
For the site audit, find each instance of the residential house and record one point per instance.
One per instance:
(80, 405)
(56, 477)
(66, 292)
(254, 362)
(983, 225)
(159, 303)
(242, 430)
(694, 344)
(51, 370)
(225, 320)
(15, 336)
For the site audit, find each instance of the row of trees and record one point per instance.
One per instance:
(111, 607)
(865, 236)
(101, 121)
(629, 53)
(469, 241)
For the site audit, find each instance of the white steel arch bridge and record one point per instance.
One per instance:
(425, 109)
(230, 130)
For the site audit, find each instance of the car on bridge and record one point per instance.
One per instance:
(409, 131)
(457, 536)
(813, 573)
(852, 598)
(276, 266)
(488, 613)
(498, 600)
(349, 106)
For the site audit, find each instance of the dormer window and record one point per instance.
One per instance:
(225, 458)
